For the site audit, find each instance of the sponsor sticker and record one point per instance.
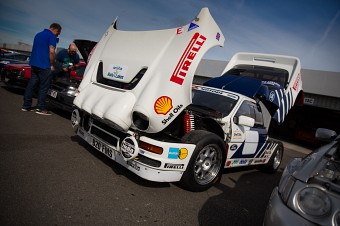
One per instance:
(173, 153)
(133, 165)
(187, 57)
(216, 91)
(272, 96)
(173, 166)
(243, 161)
(183, 153)
(172, 114)
(218, 36)
(177, 153)
(192, 26)
(163, 105)
(297, 81)
(233, 147)
(116, 71)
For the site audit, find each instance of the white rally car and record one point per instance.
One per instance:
(136, 104)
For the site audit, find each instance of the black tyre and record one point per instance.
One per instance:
(275, 160)
(206, 163)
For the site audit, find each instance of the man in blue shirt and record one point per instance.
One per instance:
(67, 59)
(42, 62)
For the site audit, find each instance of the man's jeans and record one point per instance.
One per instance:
(41, 77)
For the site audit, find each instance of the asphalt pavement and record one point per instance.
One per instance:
(48, 176)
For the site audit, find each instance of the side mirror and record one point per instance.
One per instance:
(246, 121)
(323, 134)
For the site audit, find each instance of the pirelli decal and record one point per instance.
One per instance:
(188, 56)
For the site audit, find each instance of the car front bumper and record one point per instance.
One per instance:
(160, 173)
(61, 101)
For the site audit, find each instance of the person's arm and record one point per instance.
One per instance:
(77, 60)
(52, 57)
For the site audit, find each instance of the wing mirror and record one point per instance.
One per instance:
(323, 134)
(245, 121)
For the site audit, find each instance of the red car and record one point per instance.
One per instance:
(17, 75)
(63, 89)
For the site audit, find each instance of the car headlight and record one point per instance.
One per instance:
(71, 92)
(313, 201)
(285, 187)
(287, 180)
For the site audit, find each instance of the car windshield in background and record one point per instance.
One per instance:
(268, 75)
(220, 103)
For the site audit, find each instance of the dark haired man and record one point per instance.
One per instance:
(42, 62)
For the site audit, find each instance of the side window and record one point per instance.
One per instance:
(251, 110)
(258, 115)
(245, 110)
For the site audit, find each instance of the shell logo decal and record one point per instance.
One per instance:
(163, 105)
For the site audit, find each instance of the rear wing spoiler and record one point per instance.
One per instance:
(278, 100)
(289, 63)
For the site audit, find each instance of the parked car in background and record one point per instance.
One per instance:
(11, 57)
(309, 190)
(16, 75)
(63, 90)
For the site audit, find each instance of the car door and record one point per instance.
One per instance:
(247, 141)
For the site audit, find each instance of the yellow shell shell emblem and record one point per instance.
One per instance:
(163, 105)
(183, 153)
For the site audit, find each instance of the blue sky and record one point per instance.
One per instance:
(308, 29)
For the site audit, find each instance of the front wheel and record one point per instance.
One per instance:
(206, 163)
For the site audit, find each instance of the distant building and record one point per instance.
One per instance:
(19, 47)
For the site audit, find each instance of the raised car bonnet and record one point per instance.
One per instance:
(170, 58)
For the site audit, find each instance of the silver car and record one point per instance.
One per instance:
(309, 189)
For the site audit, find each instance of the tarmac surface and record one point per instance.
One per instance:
(49, 176)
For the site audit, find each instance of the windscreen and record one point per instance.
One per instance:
(218, 101)
(269, 76)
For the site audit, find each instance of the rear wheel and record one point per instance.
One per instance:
(206, 163)
(275, 161)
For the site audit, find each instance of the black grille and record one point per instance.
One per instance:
(148, 161)
(104, 136)
(109, 129)
(59, 86)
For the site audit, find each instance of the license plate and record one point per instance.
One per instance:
(102, 147)
(52, 93)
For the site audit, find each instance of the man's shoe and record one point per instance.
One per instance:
(27, 109)
(42, 112)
